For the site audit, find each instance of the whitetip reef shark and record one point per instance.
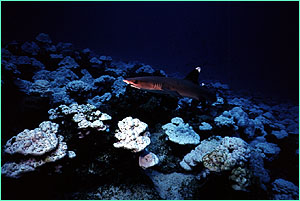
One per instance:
(187, 87)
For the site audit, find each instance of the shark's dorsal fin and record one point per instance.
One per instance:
(193, 76)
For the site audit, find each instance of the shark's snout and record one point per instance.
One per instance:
(131, 83)
(128, 82)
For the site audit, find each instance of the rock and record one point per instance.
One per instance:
(285, 190)
(222, 120)
(71, 154)
(280, 134)
(218, 85)
(240, 117)
(37, 64)
(94, 60)
(103, 79)
(220, 101)
(184, 102)
(269, 150)
(78, 86)
(99, 100)
(86, 51)
(56, 56)
(68, 62)
(269, 115)
(87, 77)
(30, 48)
(105, 58)
(64, 47)
(145, 69)
(171, 186)
(119, 87)
(135, 191)
(10, 67)
(23, 85)
(205, 126)
(41, 87)
(43, 38)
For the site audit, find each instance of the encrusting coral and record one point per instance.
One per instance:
(41, 142)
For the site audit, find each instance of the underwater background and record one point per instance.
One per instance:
(73, 129)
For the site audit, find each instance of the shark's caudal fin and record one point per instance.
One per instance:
(193, 76)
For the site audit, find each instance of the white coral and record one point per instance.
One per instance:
(132, 135)
(34, 142)
(180, 132)
(218, 154)
(15, 170)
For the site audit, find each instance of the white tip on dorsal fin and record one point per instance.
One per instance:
(194, 75)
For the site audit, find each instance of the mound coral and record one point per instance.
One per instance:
(41, 144)
(218, 154)
(180, 132)
(132, 135)
(34, 142)
(285, 190)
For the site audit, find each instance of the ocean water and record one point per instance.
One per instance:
(73, 129)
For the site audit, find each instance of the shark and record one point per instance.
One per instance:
(187, 87)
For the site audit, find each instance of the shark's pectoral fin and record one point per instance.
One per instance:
(171, 92)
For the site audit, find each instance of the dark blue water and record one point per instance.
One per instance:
(249, 45)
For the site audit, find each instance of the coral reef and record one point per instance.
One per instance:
(246, 141)
(232, 151)
(147, 160)
(180, 132)
(34, 142)
(241, 178)
(205, 126)
(68, 62)
(132, 135)
(196, 156)
(285, 190)
(85, 116)
(40, 142)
